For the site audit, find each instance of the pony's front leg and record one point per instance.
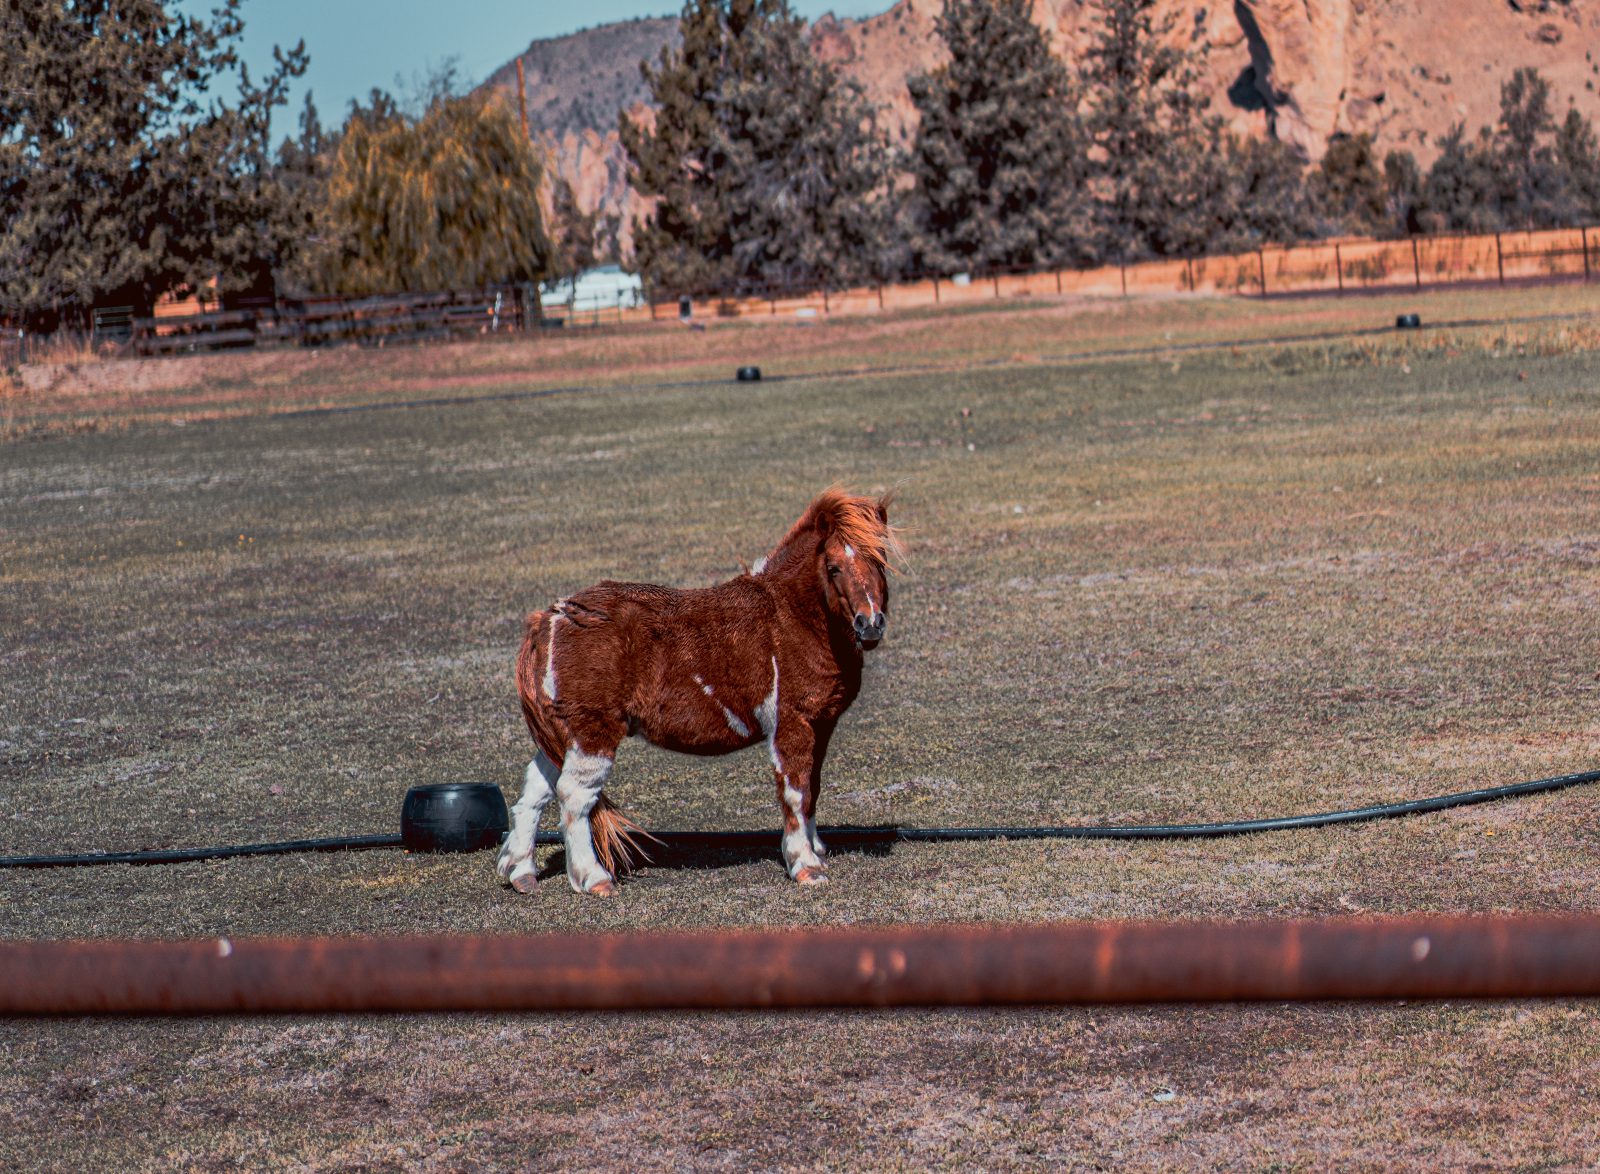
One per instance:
(516, 860)
(793, 762)
(582, 777)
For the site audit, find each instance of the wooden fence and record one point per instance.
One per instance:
(370, 321)
(1325, 267)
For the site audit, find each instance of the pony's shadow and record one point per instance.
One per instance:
(709, 851)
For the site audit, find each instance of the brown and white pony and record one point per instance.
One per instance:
(771, 656)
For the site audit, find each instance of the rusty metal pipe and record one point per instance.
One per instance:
(930, 965)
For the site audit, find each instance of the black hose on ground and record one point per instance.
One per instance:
(856, 837)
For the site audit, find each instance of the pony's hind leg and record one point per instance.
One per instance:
(582, 777)
(516, 860)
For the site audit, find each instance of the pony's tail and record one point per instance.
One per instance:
(614, 832)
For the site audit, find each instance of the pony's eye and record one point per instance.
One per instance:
(833, 571)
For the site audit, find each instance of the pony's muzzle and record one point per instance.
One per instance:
(869, 629)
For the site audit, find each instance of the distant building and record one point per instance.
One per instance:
(606, 287)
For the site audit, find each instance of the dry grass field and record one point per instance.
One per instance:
(1158, 573)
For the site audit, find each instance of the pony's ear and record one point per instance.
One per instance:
(824, 524)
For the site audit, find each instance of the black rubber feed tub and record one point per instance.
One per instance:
(453, 817)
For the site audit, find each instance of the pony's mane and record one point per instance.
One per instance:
(855, 519)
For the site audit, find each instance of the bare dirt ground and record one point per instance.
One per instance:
(1171, 585)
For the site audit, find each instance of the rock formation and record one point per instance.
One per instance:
(1303, 71)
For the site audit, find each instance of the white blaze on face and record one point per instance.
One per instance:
(873, 610)
(759, 565)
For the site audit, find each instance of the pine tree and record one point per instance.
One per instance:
(763, 163)
(998, 160)
(809, 208)
(1156, 150)
(122, 177)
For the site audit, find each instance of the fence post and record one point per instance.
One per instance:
(1586, 254)
(1122, 267)
(995, 278)
(825, 308)
(1499, 259)
(936, 291)
(1416, 264)
(1058, 273)
(1188, 267)
(1261, 259)
(880, 295)
(1338, 266)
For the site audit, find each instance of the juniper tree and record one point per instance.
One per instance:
(1533, 188)
(302, 171)
(1462, 190)
(1155, 149)
(572, 230)
(997, 162)
(1260, 199)
(763, 163)
(122, 175)
(1580, 159)
(1402, 187)
(1347, 189)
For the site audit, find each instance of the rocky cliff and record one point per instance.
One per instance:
(1301, 70)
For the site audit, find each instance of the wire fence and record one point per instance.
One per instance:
(1338, 267)
(1344, 266)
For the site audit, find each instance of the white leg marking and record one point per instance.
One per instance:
(515, 862)
(582, 777)
(550, 660)
(797, 851)
(815, 840)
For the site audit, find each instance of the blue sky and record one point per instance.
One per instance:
(358, 44)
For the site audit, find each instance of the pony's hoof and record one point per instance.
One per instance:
(526, 883)
(811, 876)
(604, 889)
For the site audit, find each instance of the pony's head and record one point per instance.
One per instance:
(854, 549)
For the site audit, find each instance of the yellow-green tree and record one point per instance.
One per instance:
(447, 200)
